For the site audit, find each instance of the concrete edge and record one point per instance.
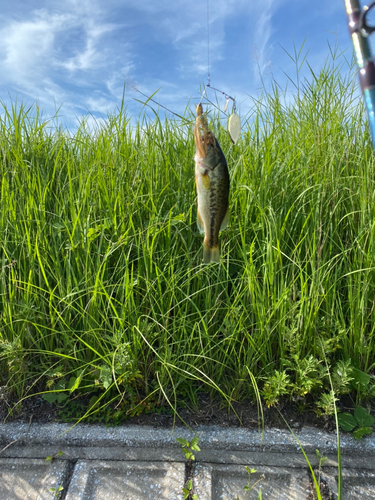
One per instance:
(210, 437)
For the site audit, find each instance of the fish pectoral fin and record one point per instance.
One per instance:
(200, 222)
(224, 224)
(206, 181)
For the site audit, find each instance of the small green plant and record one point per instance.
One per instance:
(276, 385)
(308, 374)
(321, 461)
(51, 458)
(188, 491)
(326, 404)
(249, 487)
(360, 422)
(189, 448)
(343, 376)
(57, 492)
(58, 394)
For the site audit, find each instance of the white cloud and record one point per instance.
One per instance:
(91, 56)
(27, 45)
(98, 103)
(55, 54)
(263, 31)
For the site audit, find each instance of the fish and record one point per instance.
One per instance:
(212, 184)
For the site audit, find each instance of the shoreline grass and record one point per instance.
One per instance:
(102, 290)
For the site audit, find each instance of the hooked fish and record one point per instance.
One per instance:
(212, 182)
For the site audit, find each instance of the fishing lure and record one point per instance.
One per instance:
(234, 122)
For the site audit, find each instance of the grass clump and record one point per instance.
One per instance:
(102, 289)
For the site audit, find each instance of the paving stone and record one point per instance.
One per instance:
(220, 482)
(126, 463)
(355, 483)
(30, 479)
(114, 480)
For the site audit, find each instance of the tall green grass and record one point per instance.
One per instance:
(102, 289)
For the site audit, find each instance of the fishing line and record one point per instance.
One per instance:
(234, 123)
(208, 42)
(133, 86)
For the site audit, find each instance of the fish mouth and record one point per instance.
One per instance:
(203, 143)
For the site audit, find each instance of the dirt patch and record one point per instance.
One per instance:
(208, 412)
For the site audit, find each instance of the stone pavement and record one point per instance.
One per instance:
(139, 463)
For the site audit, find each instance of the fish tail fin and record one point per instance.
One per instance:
(211, 254)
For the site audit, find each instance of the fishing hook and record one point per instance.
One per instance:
(227, 97)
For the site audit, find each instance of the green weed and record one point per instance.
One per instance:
(360, 422)
(57, 492)
(188, 491)
(249, 487)
(189, 448)
(51, 458)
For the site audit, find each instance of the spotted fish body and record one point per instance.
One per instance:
(212, 182)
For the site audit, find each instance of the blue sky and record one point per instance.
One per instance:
(77, 53)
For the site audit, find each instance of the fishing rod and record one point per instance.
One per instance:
(360, 30)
